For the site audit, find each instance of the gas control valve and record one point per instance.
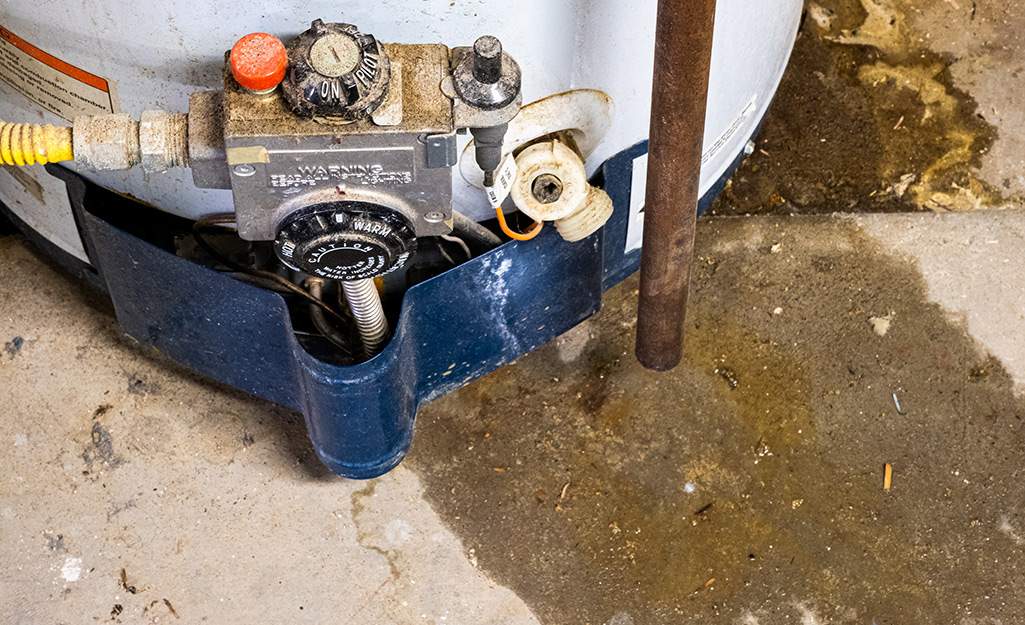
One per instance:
(356, 130)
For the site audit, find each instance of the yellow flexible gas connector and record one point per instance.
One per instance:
(28, 144)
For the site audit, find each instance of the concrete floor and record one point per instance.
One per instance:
(573, 486)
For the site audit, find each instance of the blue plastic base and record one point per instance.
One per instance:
(453, 328)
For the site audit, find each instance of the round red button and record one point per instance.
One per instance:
(258, 61)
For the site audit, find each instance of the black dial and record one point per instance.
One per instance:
(336, 72)
(345, 240)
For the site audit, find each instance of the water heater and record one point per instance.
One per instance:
(351, 210)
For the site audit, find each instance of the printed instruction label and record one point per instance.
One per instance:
(51, 83)
(732, 130)
(504, 180)
(635, 220)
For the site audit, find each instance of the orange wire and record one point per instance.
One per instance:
(512, 234)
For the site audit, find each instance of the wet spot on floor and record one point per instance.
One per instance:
(867, 119)
(141, 386)
(595, 488)
(100, 450)
(13, 347)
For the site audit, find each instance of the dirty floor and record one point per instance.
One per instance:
(571, 486)
(893, 105)
(745, 487)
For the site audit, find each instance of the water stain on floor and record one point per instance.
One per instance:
(747, 483)
(866, 119)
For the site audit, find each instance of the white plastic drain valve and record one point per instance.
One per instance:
(552, 186)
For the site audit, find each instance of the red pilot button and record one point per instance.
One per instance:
(258, 61)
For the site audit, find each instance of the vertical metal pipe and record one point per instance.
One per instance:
(679, 94)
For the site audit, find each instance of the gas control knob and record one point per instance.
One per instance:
(336, 72)
(345, 240)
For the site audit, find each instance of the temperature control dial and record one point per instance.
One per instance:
(345, 240)
(336, 72)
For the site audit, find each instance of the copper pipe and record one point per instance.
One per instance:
(679, 94)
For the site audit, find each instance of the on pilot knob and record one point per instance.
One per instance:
(336, 72)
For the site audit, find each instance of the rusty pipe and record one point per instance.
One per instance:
(679, 95)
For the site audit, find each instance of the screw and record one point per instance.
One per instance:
(434, 217)
(244, 170)
(487, 59)
(546, 188)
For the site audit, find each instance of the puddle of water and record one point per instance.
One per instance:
(594, 488)
(865, 120)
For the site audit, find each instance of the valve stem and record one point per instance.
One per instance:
(488, 150)
(365, 303)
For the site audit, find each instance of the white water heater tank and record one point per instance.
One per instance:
(60, 59)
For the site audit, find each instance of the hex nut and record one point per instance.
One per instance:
(106, 142)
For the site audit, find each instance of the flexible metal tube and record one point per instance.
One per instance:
(365, 304)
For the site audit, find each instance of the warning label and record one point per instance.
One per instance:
(59, 87)
(635, 220)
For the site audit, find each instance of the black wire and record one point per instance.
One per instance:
(222, 221)
(475, 232)
(329, 332)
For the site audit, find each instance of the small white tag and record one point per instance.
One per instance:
(635, 220)
(728, 134)
(504, 180)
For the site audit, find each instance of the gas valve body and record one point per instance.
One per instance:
(354, 121)
(348, 159)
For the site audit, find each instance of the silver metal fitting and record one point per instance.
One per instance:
(106, 142)
(163, 140)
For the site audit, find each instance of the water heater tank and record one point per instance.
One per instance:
(61, 60)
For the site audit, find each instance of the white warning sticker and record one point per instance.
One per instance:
(635, 220)
(730, 131)
(57, 86)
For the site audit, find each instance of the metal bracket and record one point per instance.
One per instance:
(441, 150)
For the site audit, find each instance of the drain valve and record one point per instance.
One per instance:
(552, 186)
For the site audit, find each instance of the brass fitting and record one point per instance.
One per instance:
(102, 142)
(158, 141)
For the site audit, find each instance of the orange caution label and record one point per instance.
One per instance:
(53, 84)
